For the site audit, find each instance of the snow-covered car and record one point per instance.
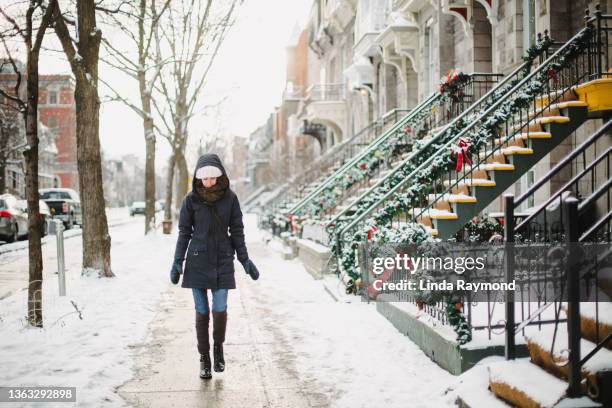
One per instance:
(44, 214)
(13, 221)
(138, 207)
(64, 204)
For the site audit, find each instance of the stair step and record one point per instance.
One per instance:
(555, 108)
(434, 213)
(539, 345)
(524, 384)
(525, 136)
(561, 95)
(452, 198)
(490, 167)
(473, 387)
(553, 119)
(472, 182)
(506, 151)
(535, 125)
(432, 231)
(588, 322)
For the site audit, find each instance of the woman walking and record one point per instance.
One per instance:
(208, 211)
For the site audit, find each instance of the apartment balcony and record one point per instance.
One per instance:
(326, 104)
(339, 13)
(370, 21)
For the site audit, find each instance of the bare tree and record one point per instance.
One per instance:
(191, 35)
(32, 38)
(82, 51)
(145, 69)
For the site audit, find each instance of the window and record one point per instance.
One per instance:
(52, 97)
(530, 181)
(529, 24)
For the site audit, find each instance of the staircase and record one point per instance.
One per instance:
(508, 138)
(290, 193)
(385, 156)
(346, 213)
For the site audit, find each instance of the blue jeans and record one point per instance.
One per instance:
(219, 301)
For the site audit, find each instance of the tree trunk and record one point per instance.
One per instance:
(2, 175)
(169, 188)
(35, 316)
(149, 179)
(182, 187)
(149, 133)
(96, 239)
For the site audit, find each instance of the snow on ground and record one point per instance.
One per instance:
(346, 350)
(90, 348)
(114, 216)
(349, 348)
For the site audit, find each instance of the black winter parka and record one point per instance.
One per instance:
(209, 260)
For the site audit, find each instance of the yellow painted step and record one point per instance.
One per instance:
(552, 119)
(452, 198)
(490, 167)
(555, 108)
(510, 150)
(434, 214)
(432, 231)
(597, 94)
(563, 95)
(507, 151)
(472, 182)
(525, 136)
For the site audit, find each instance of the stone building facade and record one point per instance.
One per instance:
(368, 57)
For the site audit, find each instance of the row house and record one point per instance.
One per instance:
(461, 121)
(51, 138)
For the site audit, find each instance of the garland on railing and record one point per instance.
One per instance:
(479, 229)
(451, 85)
(442, 163)
(329, 196)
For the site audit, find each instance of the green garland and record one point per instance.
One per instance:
(403, 201)
(443, 161)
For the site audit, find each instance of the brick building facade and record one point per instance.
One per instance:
(57, 111)
(57, 132)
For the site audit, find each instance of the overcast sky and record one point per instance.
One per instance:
(249, 72)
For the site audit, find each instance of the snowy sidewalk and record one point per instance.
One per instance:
(288, 344)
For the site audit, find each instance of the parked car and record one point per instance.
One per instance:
(44, 214)
(65, 204)
(13, 221)
(138, 207)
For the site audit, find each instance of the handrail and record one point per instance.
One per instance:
(336, 149)
(462, 133)
(358, 157)
(565, 187)
(597, 193)
(567, 159)
(432, 140)
(595, 227)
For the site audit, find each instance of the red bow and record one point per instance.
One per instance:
(462, 154)
(371, 231)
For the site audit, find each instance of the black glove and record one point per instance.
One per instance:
(251, 269)
(176, 271)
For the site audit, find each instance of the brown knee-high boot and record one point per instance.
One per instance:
(202, 323)
(219, 325)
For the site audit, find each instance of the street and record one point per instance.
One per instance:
(288, 343)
